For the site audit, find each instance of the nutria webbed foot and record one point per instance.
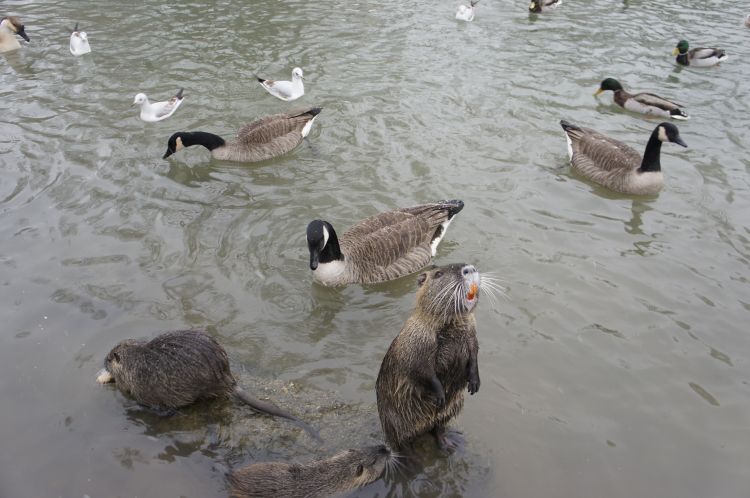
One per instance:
(448, 440)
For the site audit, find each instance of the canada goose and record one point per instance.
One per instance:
(10, 26)
(383, 247)
(466, 12)
(538, 5)
(615, 165)
(285, 90)
(79, 42)
(156, 111)
(699, 56)
(645, 103)
(260, 140)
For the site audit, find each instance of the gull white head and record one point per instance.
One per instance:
(297, 74)
(140, 99)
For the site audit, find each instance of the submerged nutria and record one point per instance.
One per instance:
(175, 369)
(432, 360)
(345, 471)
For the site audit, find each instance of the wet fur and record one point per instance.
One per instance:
(438, 341)
(343, 472)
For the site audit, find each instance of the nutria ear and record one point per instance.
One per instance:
(421, 278)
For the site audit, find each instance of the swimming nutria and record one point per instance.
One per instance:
(432, 360)
(345, 471)
(175, 369)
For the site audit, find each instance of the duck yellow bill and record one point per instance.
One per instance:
(472, 292)
(598, 91)
(675, 51)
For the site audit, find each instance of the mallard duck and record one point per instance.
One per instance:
(285, 90)
(645, 103)
(466, 12)
(699, 57)
(538, 6)
(9, 27)
(260, 140)
(615, 165)
(156, 111)
(79, 42)
(384, 247)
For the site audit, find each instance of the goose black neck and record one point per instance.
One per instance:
(207, 140)
(332, 250)
(652, 154)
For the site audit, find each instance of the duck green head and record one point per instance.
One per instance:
(681, 48)
(608, 84)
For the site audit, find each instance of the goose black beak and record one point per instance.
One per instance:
(678, 141)
(314, 255)
(168, 153)
(22, 33)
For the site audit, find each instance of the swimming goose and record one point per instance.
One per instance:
(615, 165)
(645, 103)
(466, 12)
(699, 56)
(156, 111)
(384, 247)
(260, 140)
(79, 42)
(10, 26)
(285, 90)
(538, 5)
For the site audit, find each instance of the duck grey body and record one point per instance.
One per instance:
(615, 165)
(260, 140)
(342, 472)
(380, 248)
(176, 369)
(644, 103)
(433, 359)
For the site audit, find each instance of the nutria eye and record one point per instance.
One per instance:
(438, 274)
(115, 357)
(360, 469)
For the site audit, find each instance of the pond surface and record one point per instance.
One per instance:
(617, 363)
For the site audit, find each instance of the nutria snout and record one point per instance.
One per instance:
(176, 369)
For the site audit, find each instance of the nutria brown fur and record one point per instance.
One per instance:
(432, 360)
(176, 369)
(345, 471)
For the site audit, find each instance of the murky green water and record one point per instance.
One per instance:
(617, 365)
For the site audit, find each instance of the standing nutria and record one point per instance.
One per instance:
(175, 369)
(432, 360)
(345, 471)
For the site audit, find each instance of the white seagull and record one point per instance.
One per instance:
(466, 12)
(79, 42)
(157, 111)
(285, 90)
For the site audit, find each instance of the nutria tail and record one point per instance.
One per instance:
(271, 409)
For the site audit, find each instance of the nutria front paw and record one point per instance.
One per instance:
(474, 383)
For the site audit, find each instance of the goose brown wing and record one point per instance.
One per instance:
(395, 243)
(656, 101)
(272, 128)
(596, 150)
